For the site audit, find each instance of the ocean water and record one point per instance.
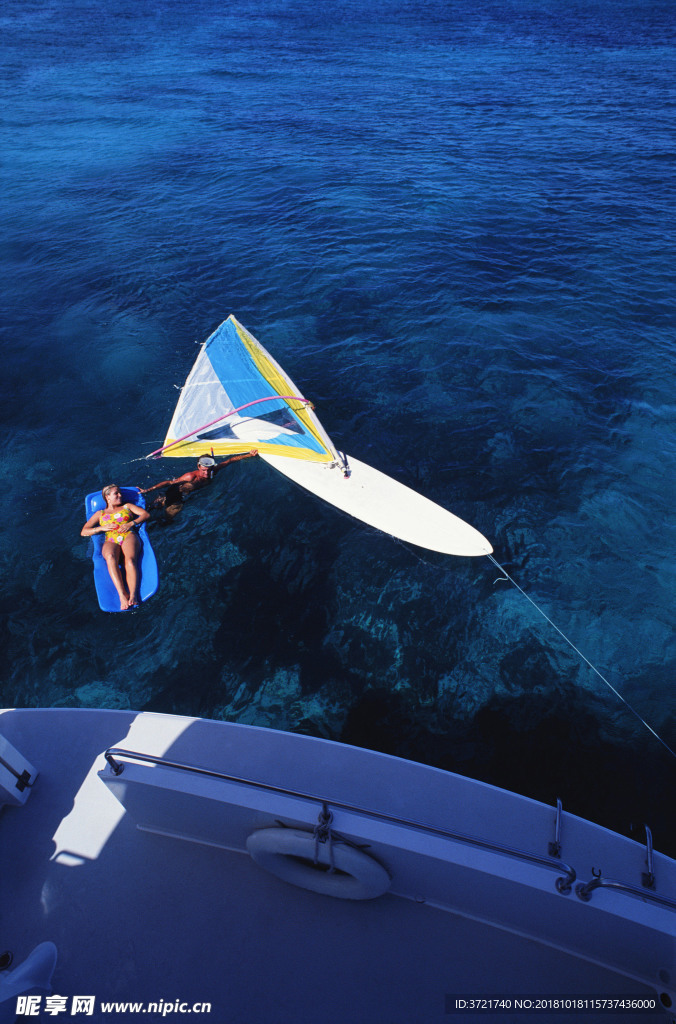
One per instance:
(454, 225)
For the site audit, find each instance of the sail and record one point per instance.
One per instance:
(236, 398)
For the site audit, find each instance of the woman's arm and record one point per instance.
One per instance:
(142, 515)
(92, 526)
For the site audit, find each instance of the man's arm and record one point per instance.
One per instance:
(235, 458)
(167, 483)
(155, 487)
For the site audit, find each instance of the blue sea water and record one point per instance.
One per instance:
(454, 225)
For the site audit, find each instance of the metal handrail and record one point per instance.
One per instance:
(563, 883)
(648, 877)
(584, 890)
(555, 847)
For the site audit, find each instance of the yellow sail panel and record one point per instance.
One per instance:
(188, 450)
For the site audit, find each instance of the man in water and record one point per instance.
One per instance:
(194, 480)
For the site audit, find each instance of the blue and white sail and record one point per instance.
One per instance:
(237, 397)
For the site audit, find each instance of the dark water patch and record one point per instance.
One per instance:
(545, 746)
(566, 755)
(272, 616)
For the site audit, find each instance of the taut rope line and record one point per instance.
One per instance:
(581, 655)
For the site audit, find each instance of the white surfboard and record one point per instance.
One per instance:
(384, 503)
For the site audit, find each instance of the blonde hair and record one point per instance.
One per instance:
(104, 492)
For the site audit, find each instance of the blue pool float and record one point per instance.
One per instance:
(105, 589)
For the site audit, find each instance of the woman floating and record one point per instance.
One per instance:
(121, 546)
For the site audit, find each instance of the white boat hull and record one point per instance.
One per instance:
(146, 883)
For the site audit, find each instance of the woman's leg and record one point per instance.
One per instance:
(131, 549)
(111, 552)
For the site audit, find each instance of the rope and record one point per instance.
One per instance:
(323, 834)
(581, 655)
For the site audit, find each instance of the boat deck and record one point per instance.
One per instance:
(139, 917)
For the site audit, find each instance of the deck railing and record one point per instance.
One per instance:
(563, 883)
